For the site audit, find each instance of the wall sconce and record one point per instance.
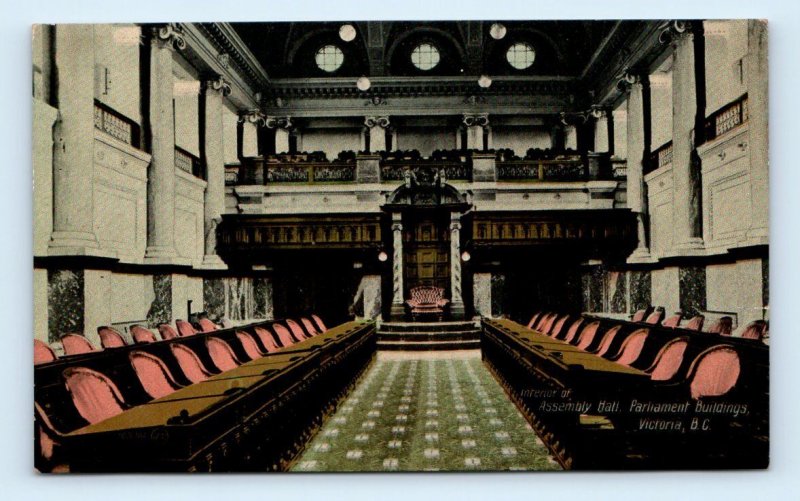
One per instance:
(466, 256)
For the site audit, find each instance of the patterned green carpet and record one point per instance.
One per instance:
(433, 413)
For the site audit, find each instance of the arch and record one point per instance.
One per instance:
(432, 34)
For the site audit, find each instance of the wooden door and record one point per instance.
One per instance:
(427, 255)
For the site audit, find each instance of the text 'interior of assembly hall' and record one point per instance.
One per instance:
(400, 246)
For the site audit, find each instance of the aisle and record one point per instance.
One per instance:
(438, 411)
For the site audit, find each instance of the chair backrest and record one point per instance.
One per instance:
(427, 294)
(267, 339)
(655, 317)
(154, 375)
(185, 328)
(46, 433)
(249, 345)
(75, 344)
(608, 338)
(548, 326)
(167, 332)
(558, 325)
(42, 353)
(631, 348)
(668, 360)
(309, 326)
(755, 330)
(673, 321)
(320, 323)
(723, 326)
(714, 372)
(533, 320)
(297, 331)
(695, 323)
(110, 338)
(587, 335)
(95, 396)
(284, 336)
(222, 354)
(540, 323)
(142, 335)
(639, 316)
(573, 330)
(190, 363)
(207, 325)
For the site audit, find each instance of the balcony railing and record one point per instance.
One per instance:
(619, 168)
(116, 124)
(395, 170)
(260, 170)
(187, 162)
(727, 118)
(569, 169)
(659, 158)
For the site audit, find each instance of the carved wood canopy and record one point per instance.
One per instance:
(425, 187)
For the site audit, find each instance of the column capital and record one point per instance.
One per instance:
(379, 121)
(169, 36)
(256, 117)
(475, 119)
(674, 31)
(397, 226)
(217, 84)
(285, 123)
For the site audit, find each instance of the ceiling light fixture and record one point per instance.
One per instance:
(484, 81)
(363, 84)
(497, 31)
(347, 32)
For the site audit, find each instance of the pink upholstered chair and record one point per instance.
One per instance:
(47, 437)
(284, 336)
(655, 317)
(267, 339)
(319, 322)
(207, 325)
(755, 330)
(548, 326)
(533, 320)
(573, 330)
(42, 353)
(167, 332)
(95, 396)
(154, 375)
(185, 328)
(558, 325)
(631, 348)
(639, 316)
(110, 337)
(297, 331)
(309, 326)
(714, 372)
(142, 335)
(190, 363)
(427, 299)
(673, 321)
(222, 354)
(608, 338)
(668, 360)
(695, 323)
(75, 344)
(249, 345)
(587, 335)
(723, 326)
(542, 322)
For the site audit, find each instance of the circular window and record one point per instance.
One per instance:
(520, 56)
(329, 58)
(425, 56)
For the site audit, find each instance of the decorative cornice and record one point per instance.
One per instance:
(232, 49)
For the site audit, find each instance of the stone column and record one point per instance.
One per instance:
(161, 174)
(686, 184)
(482, 294)
(570, 137)
(601, 141)
(282, 126)
(376, 128)
(475, 125)
(398, 303)
(73, 148)
(758, 105)
(635, 182)
(456, 300)
(214, 92)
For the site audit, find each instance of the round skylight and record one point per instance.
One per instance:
(329, 58)
(425, 56)
(520, 56)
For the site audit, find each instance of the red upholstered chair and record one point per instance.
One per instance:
(573, 330)
(167, 332)
(427, 299)
(668, 360)
(95, 396)
(558, 325)
(755, 330)
(47, 437)
(75, 344)
(309, 326)
(154, 375)
(249, 345)
(297, 331)
(267, 339)
(185, 328)
(190, 363)
(723, 326)
(284, 336)
(533, 320)
(714, 372)
(631, 348)
(695, 323)
(639, 316)
(587, 335)
(42, 353)
(608, 338)
(142, 335)
(319, 322)
(207, 325)
(673, 321)
(655, 318)
(222, 354)
(110, 337)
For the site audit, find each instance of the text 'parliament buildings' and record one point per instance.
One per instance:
(401, 246)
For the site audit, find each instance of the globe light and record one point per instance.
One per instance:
(497, 31)
(465, 256)
(347, 32)
(383, 256)
(484, 81)
(363, 84)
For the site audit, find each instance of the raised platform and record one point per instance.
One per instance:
(423, 336)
